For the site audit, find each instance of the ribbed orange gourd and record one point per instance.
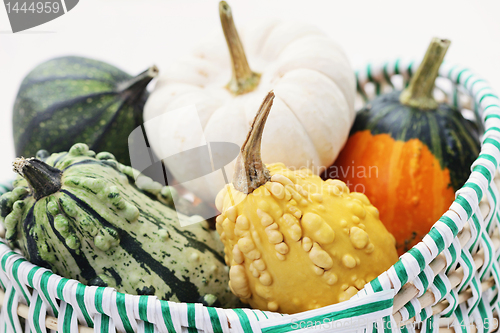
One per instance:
(293, 241)
(409, 154)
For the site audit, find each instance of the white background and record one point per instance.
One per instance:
(134, 34)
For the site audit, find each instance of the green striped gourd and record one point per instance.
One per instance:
(83, 216)
(72, 99)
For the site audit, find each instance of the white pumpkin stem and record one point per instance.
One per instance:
(419, 93)
(250, 172)
(243, 80)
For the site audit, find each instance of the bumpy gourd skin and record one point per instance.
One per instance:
(104, 229)
(299, 243)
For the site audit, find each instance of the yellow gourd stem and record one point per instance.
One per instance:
(243, 79)
(419, 93)
(250, 172)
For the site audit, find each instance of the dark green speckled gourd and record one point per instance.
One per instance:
(83, 216)
(72, 99)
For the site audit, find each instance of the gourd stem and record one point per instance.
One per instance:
(419, 93)
(250, 172)
(134, 88)
(243, 79)
(42, 178)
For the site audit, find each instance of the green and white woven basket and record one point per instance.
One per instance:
(449, 281)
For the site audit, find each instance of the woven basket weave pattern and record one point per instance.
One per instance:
(450, 278)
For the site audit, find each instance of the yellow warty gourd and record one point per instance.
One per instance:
(293, 241)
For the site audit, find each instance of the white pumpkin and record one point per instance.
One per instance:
(312, 113)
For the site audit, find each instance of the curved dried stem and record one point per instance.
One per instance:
(250, 171)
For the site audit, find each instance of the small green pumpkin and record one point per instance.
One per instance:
(83, 216)
(73, 99)
(409, 154)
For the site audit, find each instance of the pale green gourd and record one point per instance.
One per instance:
(83, 216)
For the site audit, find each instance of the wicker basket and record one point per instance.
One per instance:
(448, 281)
